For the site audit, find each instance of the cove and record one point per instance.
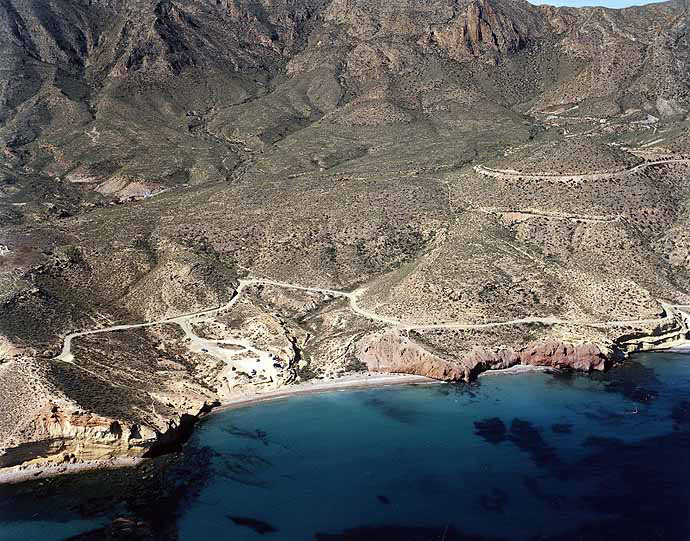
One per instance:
(529, 456)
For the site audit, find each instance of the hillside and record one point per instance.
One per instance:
(572, 156)
(478, 182)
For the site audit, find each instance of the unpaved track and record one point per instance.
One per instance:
(185, 320)
(533, 213)
(66, 354)
(505, 174)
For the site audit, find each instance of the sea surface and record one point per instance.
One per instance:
(529, 456)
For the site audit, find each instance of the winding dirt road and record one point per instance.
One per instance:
(197, 343)
(505, 174)
(212, 346)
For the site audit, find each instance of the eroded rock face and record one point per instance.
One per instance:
(76, 436)
(482, 28)
(56, 431)
(41, 426)
(585, 357)
(481, 359)
(394, 353)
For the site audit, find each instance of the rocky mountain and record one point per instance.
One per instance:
(455, 185)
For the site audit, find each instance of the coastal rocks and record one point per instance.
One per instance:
(668, 332)
(481, 359)
(61, 435)
(58, 431)
(394, 353)
(178, 432)
(586, 357)
(58, 423)
(554, 353)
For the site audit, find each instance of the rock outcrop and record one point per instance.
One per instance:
(483, 29)
(585, 357)
(481, 359)
(56, 432)
(85, 437)
(392, 352)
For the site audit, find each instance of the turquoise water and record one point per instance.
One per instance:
(528, 456)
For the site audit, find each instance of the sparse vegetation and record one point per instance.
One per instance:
(152, 154)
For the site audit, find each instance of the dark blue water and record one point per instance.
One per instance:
(529, 456)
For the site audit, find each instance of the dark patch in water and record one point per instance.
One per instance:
(632, 392)
(243, 468)
(392, 411)
(492, 430)
(681, 413)
(122, 497)
(257, 435)
(460, 389)
(259, 526)
(631, 371)
(631, 379)
(402, 533)
(528, 438)
(563, 377)
(601, 441)
(606, 417)
(120, 529)
(383, 499)
(495, 501)
(562, 428)
(642, 487)
(554, 501)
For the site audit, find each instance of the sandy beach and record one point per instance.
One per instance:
(355, 381)
(351, 382)
(517, 369)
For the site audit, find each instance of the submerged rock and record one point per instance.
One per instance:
(259, 526)
(492, 430)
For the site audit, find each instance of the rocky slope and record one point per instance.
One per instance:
(155, 153)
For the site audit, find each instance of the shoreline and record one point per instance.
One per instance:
(352, 382)
(368, 380)
(44, 470)
(49, 470)
(518, 369)
(679, 348)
